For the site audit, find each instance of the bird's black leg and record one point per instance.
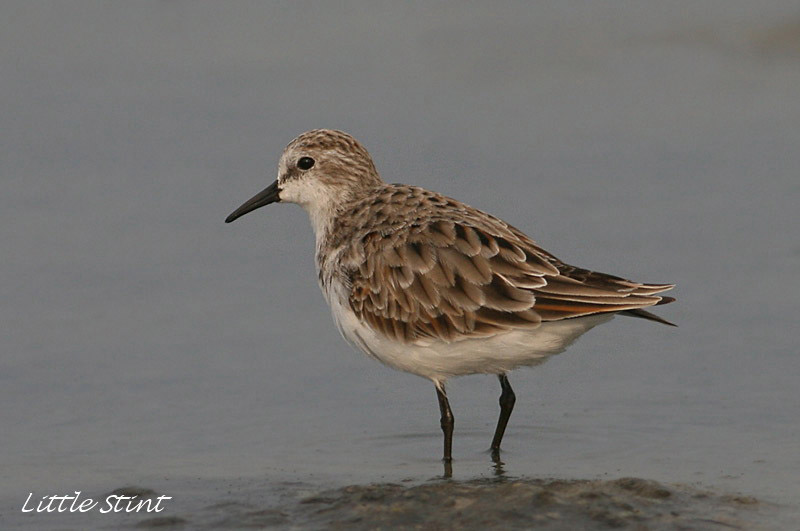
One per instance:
(507, 399)
(447, 422)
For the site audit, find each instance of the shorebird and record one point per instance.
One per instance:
(429, 285)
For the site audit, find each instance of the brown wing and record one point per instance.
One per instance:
(442, 280)
(575, 292)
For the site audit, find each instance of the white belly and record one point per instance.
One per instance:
(439, 360)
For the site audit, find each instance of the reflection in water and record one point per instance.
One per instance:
(498, 465)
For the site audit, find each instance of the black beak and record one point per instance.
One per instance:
(263, 198)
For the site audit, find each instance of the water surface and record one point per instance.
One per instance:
(145, 342)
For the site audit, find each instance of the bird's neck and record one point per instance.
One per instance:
(323, 215)
(326, 210)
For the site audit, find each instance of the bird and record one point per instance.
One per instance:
(431, 286)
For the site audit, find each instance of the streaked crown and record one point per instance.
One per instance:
(324, 162)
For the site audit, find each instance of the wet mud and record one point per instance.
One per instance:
(626, 503)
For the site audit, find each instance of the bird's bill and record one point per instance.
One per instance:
(263, 198)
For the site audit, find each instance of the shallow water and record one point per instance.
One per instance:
(146, 343)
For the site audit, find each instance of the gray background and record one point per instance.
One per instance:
(145, 342)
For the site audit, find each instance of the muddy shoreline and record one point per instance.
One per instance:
(626, 503)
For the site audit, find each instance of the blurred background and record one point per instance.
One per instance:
(145, 342)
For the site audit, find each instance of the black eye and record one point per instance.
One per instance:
(305, 163)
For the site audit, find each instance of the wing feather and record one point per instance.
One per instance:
(439, 279)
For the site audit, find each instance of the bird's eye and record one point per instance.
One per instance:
(305, 163)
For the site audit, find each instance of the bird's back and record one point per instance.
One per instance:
(418, 266)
